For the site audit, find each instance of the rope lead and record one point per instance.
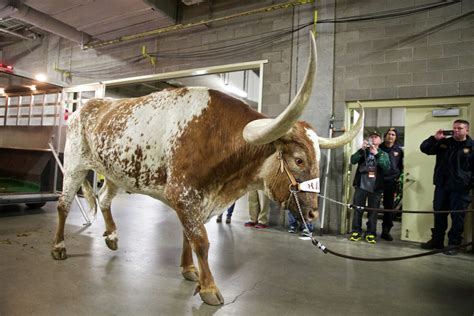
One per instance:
(383, 210)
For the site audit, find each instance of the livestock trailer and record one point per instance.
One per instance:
(30, 128)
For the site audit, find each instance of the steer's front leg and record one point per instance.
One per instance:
(207, 288)
(197, 237)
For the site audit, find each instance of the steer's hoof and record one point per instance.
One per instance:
(111, 243)
(211, 296)
(191, 275)
(59, 253)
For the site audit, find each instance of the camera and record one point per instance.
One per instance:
(448, 133)
(370, 142)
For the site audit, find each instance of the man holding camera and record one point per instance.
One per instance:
(453, 179)
(371, 162)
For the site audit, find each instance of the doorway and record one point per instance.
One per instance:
(416, 120)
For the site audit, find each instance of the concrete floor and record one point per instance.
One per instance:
(259, 272)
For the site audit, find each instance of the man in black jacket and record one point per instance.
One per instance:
(371, 162)
(453, 179)
(391, 178)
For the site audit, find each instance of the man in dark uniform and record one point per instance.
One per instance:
(391, 178)
(453, 179)
(371, 162)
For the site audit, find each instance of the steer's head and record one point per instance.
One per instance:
(297, 149)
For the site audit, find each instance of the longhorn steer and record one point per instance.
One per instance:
(197, 150)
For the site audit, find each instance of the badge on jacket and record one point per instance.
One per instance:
(467, 150)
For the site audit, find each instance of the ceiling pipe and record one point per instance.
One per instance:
(2, 30)
(43, 21)
(179, 27)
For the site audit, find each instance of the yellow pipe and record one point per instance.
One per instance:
(98, 44)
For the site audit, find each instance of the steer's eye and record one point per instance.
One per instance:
(299, 161)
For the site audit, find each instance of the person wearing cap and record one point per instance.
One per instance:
(453, 179)
(371, 162)
(391, 178)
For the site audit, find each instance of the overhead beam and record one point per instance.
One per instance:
(43, 21)
(168, 7)
(2, 30)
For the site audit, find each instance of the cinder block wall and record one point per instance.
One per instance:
(428, 54)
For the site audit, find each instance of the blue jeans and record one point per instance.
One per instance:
(230, 210)
(294, 223)
(445, 200)
(373, 201)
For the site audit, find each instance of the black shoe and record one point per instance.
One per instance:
(432, 244)
(227, 220)
(451, 252)
(292, 229)
(219, 219)
(386, 236)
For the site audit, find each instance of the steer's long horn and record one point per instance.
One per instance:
(346, 137)
(264, 131)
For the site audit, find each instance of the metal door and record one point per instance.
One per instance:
(418, 186)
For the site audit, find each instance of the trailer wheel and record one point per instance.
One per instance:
(35, 205)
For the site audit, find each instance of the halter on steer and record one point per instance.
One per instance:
(295, 187)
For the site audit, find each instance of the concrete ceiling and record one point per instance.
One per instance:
(80, 21)
(92, 21)
(105, 19)
(83, 21)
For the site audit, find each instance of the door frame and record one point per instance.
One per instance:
(435, 103)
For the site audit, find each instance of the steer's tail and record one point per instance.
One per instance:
(89, 196)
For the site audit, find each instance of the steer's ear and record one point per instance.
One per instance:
(265, 131)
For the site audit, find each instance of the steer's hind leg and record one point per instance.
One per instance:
(197, 236)
(187, 265)
(106, 194)
(71, 183)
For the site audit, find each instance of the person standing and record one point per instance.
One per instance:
(295, 225)
(259, 206)
(453, 179)
(371, 162)
(228, 219)
(391, 179)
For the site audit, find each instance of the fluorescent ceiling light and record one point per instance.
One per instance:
(41, 77)
(200, 72)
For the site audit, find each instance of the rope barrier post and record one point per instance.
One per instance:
(326, 175)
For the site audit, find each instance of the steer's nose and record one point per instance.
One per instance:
(313, 214)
